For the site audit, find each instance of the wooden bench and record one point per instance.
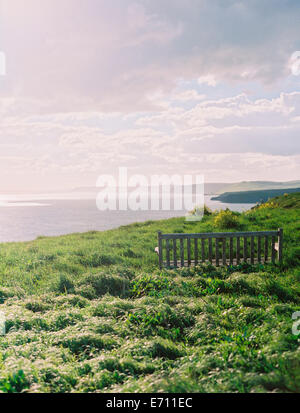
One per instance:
(219, 249)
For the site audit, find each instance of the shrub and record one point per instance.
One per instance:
(178, 230)
(207, 211)
(268, 205)
(227, 220)
(199, 212)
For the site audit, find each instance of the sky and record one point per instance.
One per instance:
(206, 87)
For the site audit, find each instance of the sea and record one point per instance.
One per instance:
(26, 217)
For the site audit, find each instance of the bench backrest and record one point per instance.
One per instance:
(226, 248)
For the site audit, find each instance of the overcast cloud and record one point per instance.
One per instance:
(189, 86)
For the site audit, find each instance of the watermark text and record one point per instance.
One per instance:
(2, 324)
(296, 324)
(155, 193)
(2, 64)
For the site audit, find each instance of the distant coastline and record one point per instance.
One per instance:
(252, 197)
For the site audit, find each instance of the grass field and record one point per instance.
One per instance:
(93, 313)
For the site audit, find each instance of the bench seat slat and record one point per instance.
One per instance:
(175, 253)
(238, 250)
(245, 249)
(196, 251)
(217, 253)
(182, 251)
(168, 252)
(210, 250)
(273, 250)
(252, 250)
(259, 250)
(266, 249)
(203, 249)
(189, 251)
(224, 252)
(231, 252)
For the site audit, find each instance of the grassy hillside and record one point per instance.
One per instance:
(258, 186)
(252, 197)
(93, 313)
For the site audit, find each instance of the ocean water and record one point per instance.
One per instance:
(24, 218)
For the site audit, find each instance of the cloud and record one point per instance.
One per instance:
(237, 137)
(157, 86)
(188, 96)
(208, 79)
(110, 56)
